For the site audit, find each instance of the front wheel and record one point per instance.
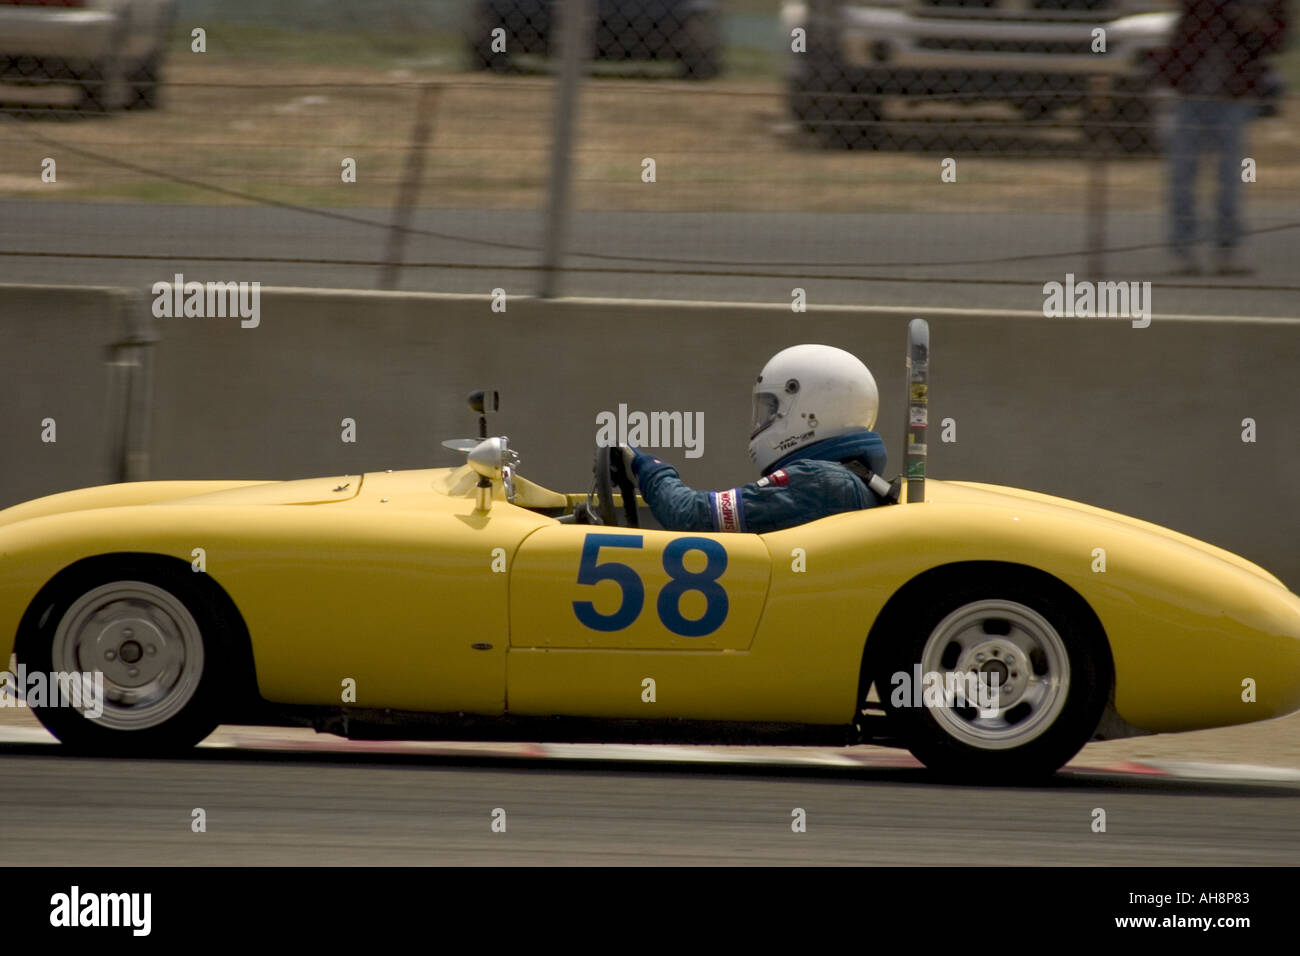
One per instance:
(135, 655)
(998, 678)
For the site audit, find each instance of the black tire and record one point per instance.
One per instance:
(698, 47)
(183, 710)
(1041, 729)
(142, 84)
(102, 86)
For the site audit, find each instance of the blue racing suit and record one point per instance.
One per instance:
(807, 484)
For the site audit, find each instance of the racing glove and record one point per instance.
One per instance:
(634, 459)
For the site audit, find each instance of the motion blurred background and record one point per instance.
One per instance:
(772, 169)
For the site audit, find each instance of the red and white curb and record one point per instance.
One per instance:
(308, 741)
(1225, 771)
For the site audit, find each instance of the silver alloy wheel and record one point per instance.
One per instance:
(144, 641)
(1007, 643)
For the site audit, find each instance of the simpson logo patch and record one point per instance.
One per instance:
(726, 510)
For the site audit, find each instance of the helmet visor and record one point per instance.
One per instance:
(766, 406)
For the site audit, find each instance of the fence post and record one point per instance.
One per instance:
(575, 48)
(408, 193)
(1100, 136)
(130, 372)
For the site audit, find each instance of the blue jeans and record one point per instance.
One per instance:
(1206, 126)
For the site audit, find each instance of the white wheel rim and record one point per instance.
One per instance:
(143, 640)
(1017, 646)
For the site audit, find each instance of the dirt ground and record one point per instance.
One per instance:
(282, 131)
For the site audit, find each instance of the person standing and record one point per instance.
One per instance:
(1215, 63)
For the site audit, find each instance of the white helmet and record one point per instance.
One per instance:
(808, 393)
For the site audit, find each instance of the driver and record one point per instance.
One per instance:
(814, 408)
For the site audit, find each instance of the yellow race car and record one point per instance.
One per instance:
(992, 631)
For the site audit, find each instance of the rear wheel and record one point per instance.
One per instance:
(152, 635)
(1013, 673)
(103, 86)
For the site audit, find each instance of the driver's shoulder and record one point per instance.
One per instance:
(809, 467)
(803, 472)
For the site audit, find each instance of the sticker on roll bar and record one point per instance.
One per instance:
(918, 415)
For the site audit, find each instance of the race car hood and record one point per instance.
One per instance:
(129, 494)
(304, 491)
(976, 493)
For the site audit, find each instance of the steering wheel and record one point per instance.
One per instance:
(609, 472)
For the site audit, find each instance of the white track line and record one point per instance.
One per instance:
(783, 307)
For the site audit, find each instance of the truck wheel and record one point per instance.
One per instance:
(103, 86)
(142, 85)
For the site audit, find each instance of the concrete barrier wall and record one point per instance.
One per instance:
(1142, 421)
(55, 350)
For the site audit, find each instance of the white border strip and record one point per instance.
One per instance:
(865, 311)
(262, 738)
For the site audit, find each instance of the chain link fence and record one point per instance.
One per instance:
(929, 152)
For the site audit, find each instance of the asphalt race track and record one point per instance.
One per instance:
(901, 258)
(358, 809)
